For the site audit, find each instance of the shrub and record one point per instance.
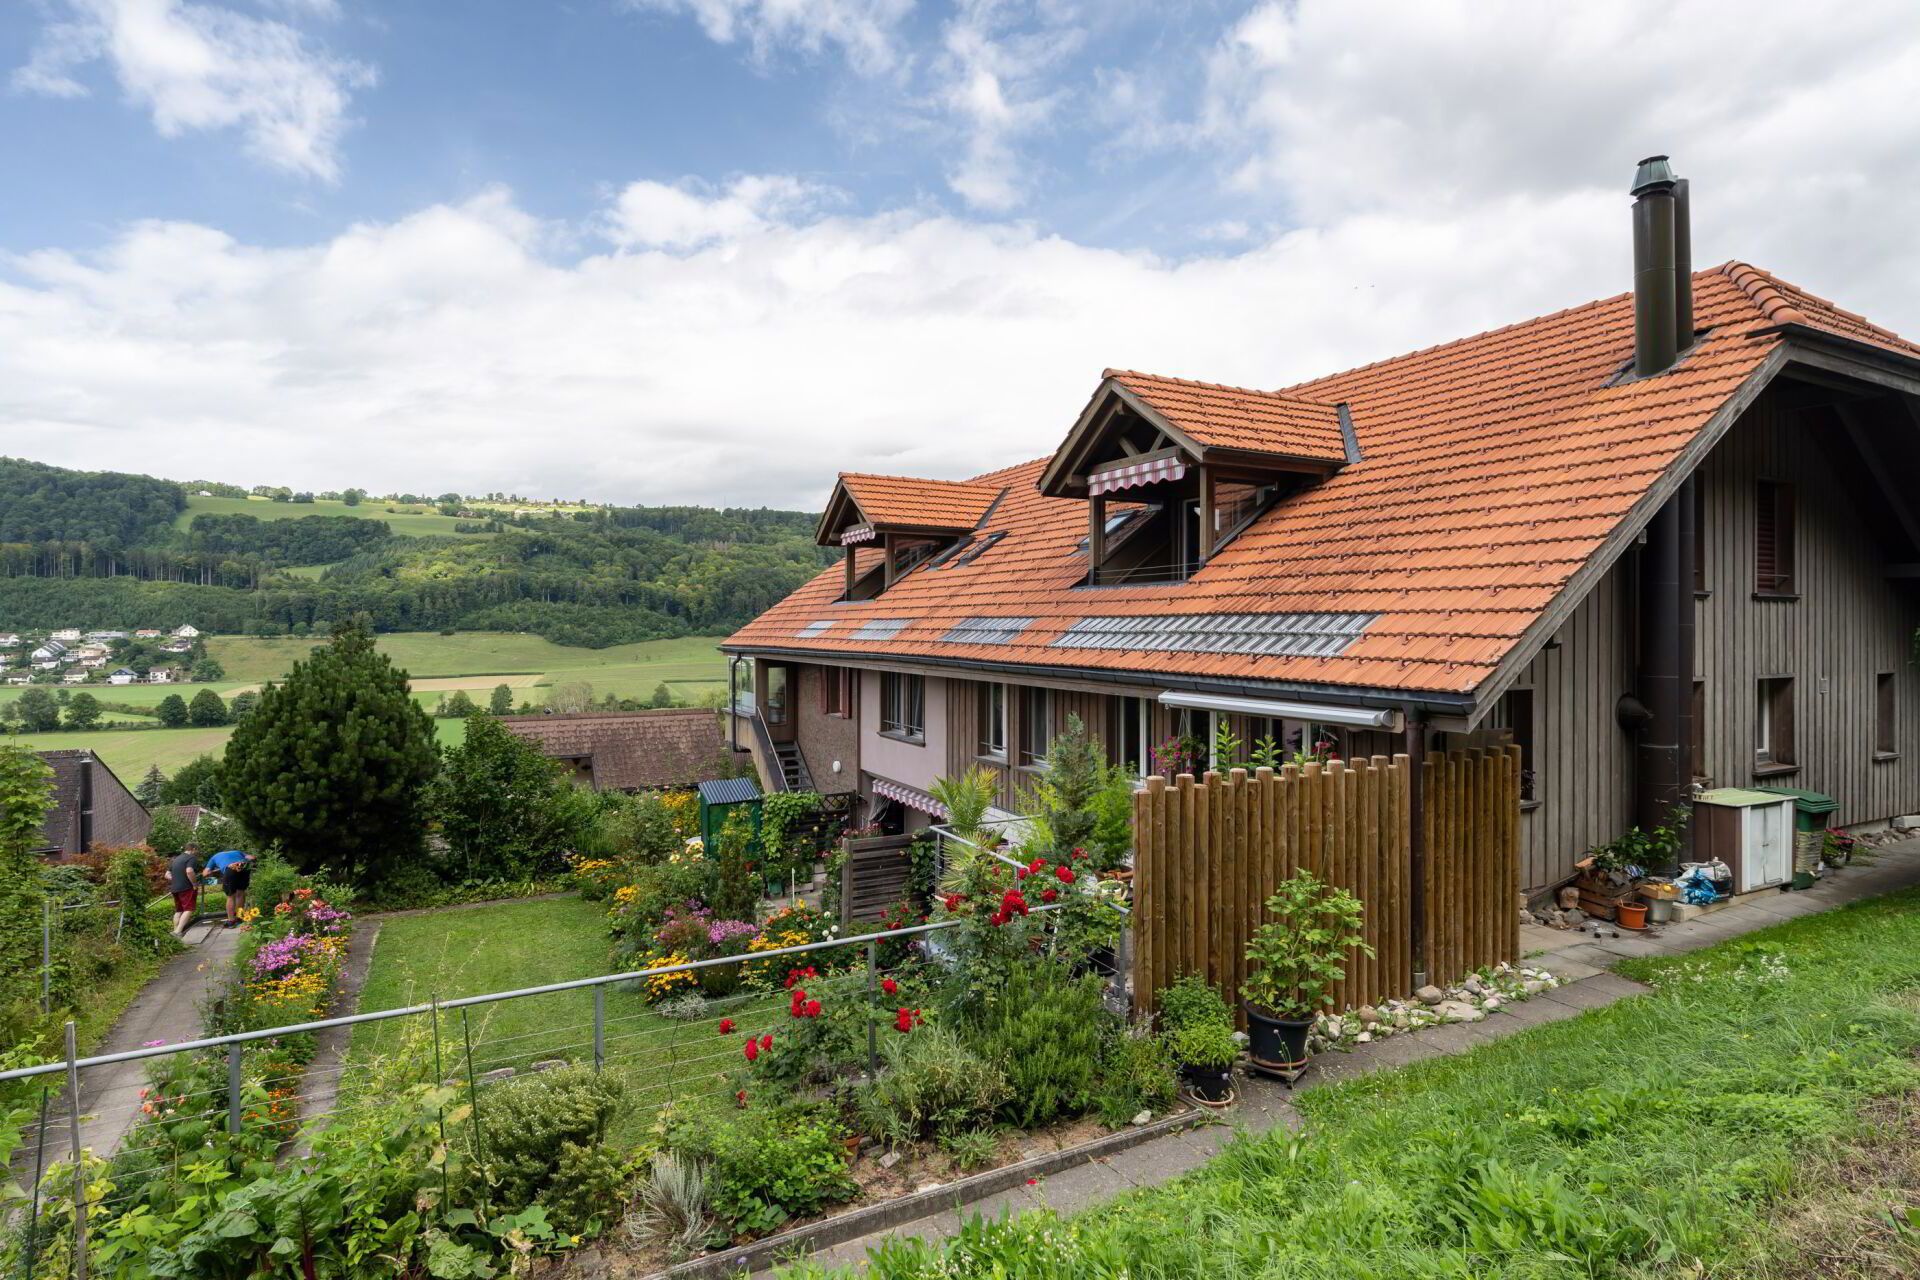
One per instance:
(130, 882)
(670, 1208)
(774, 1164)
(168, 834)
(1136, 1074)
(273, 880)
(1045, 1034)
(1296, 957)
(1205, 1044)
(735, 894)
(540, 1143)
(931, 1086)
(1192, 1000)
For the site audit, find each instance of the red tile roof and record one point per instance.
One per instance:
(1494, 468)
(1236, 418)
(927, 504)
(630, 750)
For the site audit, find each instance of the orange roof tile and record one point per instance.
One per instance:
(1494, 468)
(1236, 418)
(927, 504)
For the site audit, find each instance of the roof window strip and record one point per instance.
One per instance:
(986, 544)
(818, 627)
(882, 628)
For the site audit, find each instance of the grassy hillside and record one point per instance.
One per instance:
(414, 522)
(627, 670)
(436, 665)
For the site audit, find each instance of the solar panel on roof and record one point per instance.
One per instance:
(881, 628)
(1277, 635)
(986, 630)
(818, 627)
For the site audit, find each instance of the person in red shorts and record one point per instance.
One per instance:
(183, 881)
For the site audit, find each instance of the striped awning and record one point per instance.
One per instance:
(1138, 474)
(909, 796)
(859, 533)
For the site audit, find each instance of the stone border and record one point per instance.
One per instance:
(903, 1209)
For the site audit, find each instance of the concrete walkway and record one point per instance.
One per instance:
(169, 1008)
(1578, 959)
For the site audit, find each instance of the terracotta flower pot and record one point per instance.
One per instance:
(1632, 915)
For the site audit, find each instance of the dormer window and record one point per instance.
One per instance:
(891, 525)
(1190, 466)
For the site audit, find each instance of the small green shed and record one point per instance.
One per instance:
(718, 800)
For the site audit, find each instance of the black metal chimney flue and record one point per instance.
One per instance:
(1682, 266)
(1655, 278)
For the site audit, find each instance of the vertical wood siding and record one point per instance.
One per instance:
(1849, 624)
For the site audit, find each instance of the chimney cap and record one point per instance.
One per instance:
(1654, 174)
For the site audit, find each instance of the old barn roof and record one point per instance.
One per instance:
(631, 750)
(1494, 469)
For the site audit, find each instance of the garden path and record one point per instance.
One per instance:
(169, 1008)
(1579, 960)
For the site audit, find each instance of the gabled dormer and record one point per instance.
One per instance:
(1172, 470)
(890, 525)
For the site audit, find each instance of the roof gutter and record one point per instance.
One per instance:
(1356, 717)
(1336, 695)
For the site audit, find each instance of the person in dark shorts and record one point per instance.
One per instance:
(235, 870)
(183, 882)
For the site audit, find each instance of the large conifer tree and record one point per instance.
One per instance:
(334, 762)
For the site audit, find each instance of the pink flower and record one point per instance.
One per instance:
(766, 1041)
(752, 1050)
(726, 1026)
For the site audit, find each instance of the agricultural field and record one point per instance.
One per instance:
(413, 522)
(479, 660)
(436, 665)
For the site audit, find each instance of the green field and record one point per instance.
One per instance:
(413, 522)
(437, 665)
(627, 670)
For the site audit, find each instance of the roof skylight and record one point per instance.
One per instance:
(986, 630)
(882, 628)
(1279, 635)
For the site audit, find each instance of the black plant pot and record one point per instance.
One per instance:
(1277, 1046)
(1209, 1084)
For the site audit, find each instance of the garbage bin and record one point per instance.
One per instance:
(1810, 808)
(1811, 812)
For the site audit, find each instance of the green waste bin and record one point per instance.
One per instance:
(1811, 810)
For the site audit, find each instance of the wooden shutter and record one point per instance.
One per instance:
(1773, 538)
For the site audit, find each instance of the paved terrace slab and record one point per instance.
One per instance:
(1579, 959)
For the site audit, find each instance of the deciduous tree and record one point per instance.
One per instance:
(207, 710)
(83, 711)
(26, 793)
(335, 761)
(38, 710)
(172, 711)
(501, 701)
(505, 809)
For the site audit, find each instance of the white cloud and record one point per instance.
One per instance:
(197, 67)
(866, 32)
(686, 215)
(742, 341)
(992, 68)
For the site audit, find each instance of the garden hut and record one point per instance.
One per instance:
(719, 798)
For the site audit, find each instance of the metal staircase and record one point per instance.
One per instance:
(793, 767)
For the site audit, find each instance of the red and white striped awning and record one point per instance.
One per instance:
(1138, 474)
(859, 533)
(909, 796)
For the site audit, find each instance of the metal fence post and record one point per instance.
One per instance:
(79, 1162)
(599, 1026)
(233, 1089)
(873, 1034)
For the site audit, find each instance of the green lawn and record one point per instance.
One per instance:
(511, 945)
(418, 521)
(1746, 1120)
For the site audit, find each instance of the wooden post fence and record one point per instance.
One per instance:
(1208, 854)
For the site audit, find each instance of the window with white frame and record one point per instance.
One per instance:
(991, 711)
(903, 706)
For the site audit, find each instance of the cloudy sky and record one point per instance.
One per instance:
(716, 250)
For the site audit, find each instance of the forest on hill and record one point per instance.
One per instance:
(102, 549)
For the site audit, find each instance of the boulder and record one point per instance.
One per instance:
(1367, 1014)
(1459, 1011)
(1533, 986)
(550, 1064)
(496, 1076)
(1141, 1117)
(1429, 994)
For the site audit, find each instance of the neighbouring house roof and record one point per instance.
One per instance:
(1492, 470)
(631, 750)
(114, 816)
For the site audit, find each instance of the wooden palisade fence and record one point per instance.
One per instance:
(1208, 854)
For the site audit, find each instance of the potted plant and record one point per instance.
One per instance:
(1205, 1052)
(1294, 960)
